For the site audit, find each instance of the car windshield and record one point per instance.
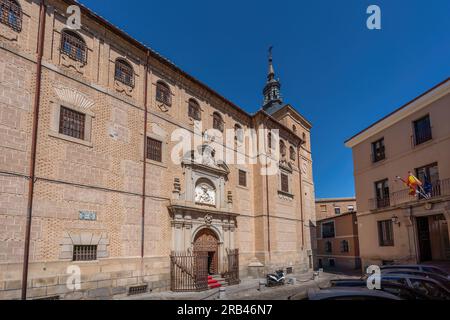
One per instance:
(430, 289)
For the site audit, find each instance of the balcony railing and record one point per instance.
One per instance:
(438, 189)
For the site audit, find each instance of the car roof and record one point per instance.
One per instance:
(409, 276)
(348, 292)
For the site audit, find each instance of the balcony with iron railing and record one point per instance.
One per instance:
(440, 188)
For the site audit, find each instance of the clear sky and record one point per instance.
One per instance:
(338, 74)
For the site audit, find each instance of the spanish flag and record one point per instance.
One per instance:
(413, 183)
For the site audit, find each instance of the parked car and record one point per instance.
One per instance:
(420, 267)
(350, 293)
(439, 278)
(400, 290)
(421, 285)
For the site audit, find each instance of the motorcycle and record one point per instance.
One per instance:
(275, 279)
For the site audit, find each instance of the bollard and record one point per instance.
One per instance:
(222, 293)
(316, 275)
(262, 284)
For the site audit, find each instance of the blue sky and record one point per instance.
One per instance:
(337, 73)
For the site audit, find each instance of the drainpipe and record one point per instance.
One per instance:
(301, 193)
(31, 181)
(144, 174)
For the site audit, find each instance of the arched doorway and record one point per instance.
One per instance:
(206, 241)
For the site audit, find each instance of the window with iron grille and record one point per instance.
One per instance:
(124, 72)
(284, 183)
(385, 233)
(378, 150)
(242, 178)
(154, 149)
(217, 122)
(72, 123)
(194, 110)
(344, 246)
(11, 14)
(73, 46)
(328, 230)
(163, 93)
(84, 252)
(422, 130)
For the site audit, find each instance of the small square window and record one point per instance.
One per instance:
(323, 208)
(337, 210)
(84, 252)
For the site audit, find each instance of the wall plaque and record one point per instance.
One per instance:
(88, 215)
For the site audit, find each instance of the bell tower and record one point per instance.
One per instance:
(271, 92)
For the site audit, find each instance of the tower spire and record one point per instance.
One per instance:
(271, 73)
(271, 92)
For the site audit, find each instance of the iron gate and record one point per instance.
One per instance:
(232, 274)
(188, 271)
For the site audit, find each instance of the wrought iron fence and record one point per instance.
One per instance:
(232, 274)
(188, 271)
(437, 189)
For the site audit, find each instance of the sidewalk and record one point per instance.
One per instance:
(247, 290)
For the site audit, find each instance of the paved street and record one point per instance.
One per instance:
(248, 289)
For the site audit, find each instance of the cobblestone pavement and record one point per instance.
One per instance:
(248, 289)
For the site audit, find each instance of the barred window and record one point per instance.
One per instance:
(194, 110)
(163, 93)
(284, 183)
(11, 14)
(74, 46)
(217, 122)
(124, 72)
(242, 178)
(154, 149)
(72, 123)
(84, 252)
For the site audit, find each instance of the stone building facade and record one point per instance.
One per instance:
(397, 225)
(337, 234)
(86, 125)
